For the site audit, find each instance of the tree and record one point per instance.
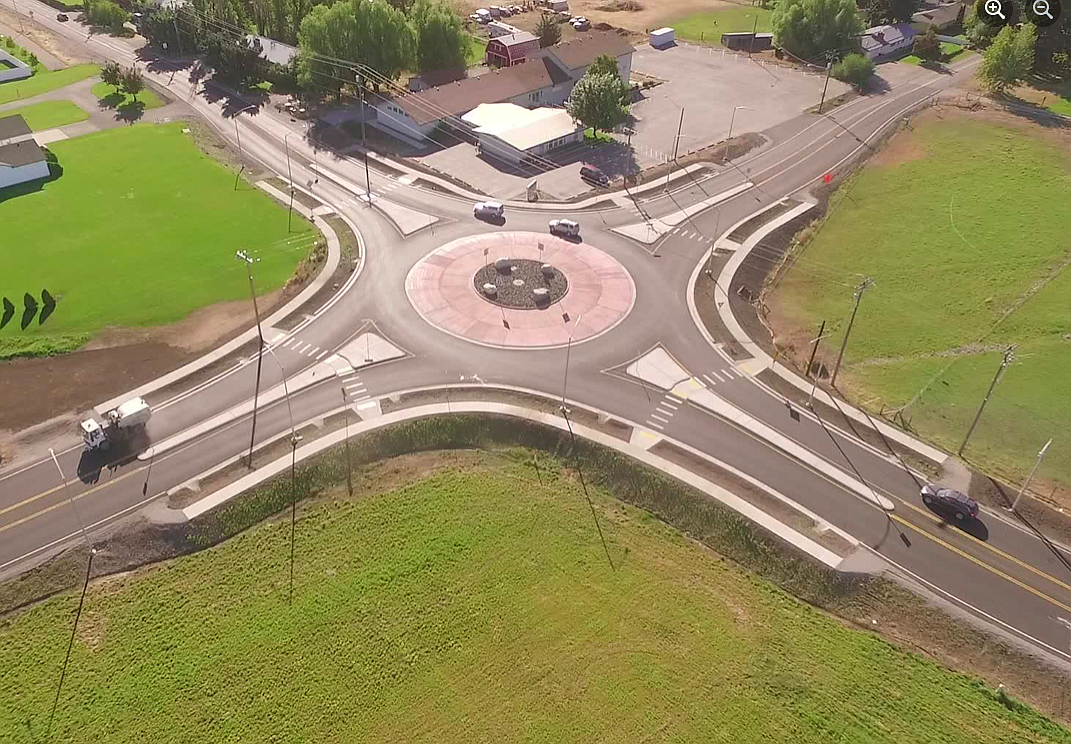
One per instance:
(548, 30)
(854, 69)
(112, 74)
(879, 12)
(365, 32)
(235, 59)
(810, 28)
(596, 102)
(977, 31)
(604, 64)
(131, 82)
(441, 43)
(1009, 58)
(927, 46)
(105, 13)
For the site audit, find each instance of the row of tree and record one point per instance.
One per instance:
(126, 80)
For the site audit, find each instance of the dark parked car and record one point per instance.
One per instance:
(62, 17)
(959, 505)
(591, 174)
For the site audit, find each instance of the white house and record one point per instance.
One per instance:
(274, 51)
(885, 41)
(512, 133)
(21, 162)
(13, 68)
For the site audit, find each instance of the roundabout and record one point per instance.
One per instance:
(492, 289)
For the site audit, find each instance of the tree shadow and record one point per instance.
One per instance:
(1031, 111)
(934, 65)
(231, 101)
(130, 111)
(112, 100)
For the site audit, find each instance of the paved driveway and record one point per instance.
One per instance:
(707, 83)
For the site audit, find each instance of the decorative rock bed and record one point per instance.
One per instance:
(516, 282)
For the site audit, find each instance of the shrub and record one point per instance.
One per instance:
(855, 69)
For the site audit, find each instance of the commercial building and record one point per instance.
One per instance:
(512, 133)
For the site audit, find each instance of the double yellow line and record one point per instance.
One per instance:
(55, 506)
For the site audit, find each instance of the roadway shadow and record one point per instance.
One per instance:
(1009, 499)
(974, 527)
(496, 221)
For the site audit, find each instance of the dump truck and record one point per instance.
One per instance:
(117, 425)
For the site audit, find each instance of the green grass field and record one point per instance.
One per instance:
(141, 229)
(950, 53)
(115, 98)
(707, 26)
(43, 82)
(48, 114)
(470, 606)
(956, 225)
(477, 51)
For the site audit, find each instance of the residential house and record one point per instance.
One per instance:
(274, 51)
(21, 162)
(512, 133)
(939, 15)
(880, 42)
(546, 79)
(14, 129)
(511, 49)
(13, 68)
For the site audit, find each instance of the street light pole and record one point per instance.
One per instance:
(568, 351)
(729, 139)
(844, 343)
(1009, 355)
(249, 261)
(294, 439)
(810, 363)
(829, 71)
(236, 135)
(1041, 456)
(290, 176)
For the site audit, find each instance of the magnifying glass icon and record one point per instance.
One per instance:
(992, 7)
(1041, 8)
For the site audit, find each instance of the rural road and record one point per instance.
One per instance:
(998, 570)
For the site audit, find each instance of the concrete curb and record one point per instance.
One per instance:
(729, 319)
(737, 504)
(334, 255)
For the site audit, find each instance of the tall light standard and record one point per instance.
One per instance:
(294, 439)
(249, 261)
(732, 120)
(1041, 456)
(289, 175)
(568, 351)
(364, 142)
(236, 135)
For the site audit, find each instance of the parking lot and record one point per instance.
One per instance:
(707, 84)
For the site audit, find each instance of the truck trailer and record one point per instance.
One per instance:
(117, 425)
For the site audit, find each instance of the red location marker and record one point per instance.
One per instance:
(827, 177)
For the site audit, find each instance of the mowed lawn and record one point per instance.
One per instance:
(141, 229)
(44, 81)
(958, 224)
(474, 606)
(48, 114)
(708, 26)
(111, 95)
(476, 51)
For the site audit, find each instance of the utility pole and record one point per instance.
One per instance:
(810, 363)
(21, 28)
(294, 439)
(677, 142)
(249, 261)
(829, 71)
(843, 344)
(1041, 456)
(1009, 356)
(349, 462)
(178, 36)
(754, 30)
(364, 141)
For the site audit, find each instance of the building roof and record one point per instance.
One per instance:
(512, 40)
(881, 36)
(582, 51)
(13, 126)
(18, 154)
(274, 51)
(464, 95)
(520, 127)
(938, 15)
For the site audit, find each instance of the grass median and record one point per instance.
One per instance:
(136, 228)
(474, 604)
(956, 223)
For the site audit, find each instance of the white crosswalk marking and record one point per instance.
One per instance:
(708, 379)
(322, 354)
(286, 344)
(312, 352)
(667, 404)
(657, 426)
(302, 349)
(660, 418)
(717, 376)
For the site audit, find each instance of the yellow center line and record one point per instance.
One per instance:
(48, 509)
(987, 546)
(980, 562)
(30, 500)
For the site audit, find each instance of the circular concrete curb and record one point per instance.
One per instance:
(601, 292)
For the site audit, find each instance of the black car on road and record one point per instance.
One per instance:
(949, 501)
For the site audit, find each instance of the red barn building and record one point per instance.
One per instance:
(506, 51)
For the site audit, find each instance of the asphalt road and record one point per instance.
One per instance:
(998, 569)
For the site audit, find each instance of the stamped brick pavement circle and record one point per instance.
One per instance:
(440, 288)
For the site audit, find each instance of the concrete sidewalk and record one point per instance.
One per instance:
(762, 360)
(650, 232)
(716, 492)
